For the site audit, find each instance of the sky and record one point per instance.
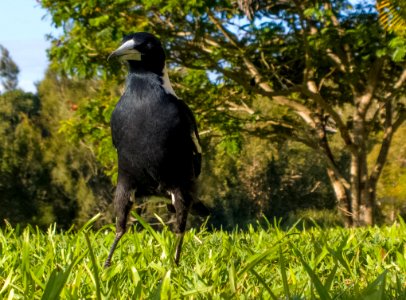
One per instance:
(23, 26)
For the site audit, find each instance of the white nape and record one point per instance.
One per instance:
(166, 83)
(173, 198)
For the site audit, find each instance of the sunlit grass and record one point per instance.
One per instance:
(267, 263)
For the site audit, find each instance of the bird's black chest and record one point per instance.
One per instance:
(142, 124)
(150, 136)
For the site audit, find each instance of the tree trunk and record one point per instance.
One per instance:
(344, 203)
(367, 198)
(369, 212)
(355, 192)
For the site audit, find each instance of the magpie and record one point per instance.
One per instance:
(156, 137)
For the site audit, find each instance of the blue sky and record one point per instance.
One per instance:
(23, 28)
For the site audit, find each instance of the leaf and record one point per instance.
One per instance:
(376, 289)
(58, 279)
(262, 281)
(95, 22)
(282, 266)
(399, 54)
(137, 282)
(330, 278)
(148, 228)
(89, 223)
(165, 293)
(95, 266)
(232, 277)
(6, 282)
(321, 290)
(255, 260)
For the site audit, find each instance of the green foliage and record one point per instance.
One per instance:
(398, 45)
(262, 263)
(24, 175)
(8, 70)
(74, 170)
(90, 125)
(44, 178)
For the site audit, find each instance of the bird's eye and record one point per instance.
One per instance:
(149, 46)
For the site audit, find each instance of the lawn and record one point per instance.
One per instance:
(257, 263)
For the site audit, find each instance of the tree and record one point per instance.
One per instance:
(8, 70)
(74, 172)
(44, 178)
(329, 67)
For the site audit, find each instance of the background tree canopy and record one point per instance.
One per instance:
(298, 103)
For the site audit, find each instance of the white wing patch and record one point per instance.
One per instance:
(166, 83)
(173, 199)
(196, 142)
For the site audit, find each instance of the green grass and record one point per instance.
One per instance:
(261, 263)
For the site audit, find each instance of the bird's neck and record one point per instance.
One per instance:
(142, 66)
(161, 78)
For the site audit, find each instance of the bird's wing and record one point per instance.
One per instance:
(194, 135)
(116, 122)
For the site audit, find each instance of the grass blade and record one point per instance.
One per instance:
(376, 289)
(57, 281)
(165, 293)
(89, 223)
(148, 228)
(6, 282)
(257, 258)
(321, 290)
(330, 278)
(232, 277)
(95, 267)
(282, 266)
(262, 281)
(254, 260)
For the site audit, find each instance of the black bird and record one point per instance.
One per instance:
(156, 137)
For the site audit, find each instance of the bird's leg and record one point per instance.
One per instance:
(179, 242)
(122, 206)
(182, 203)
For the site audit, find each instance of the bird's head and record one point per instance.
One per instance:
(142, 51)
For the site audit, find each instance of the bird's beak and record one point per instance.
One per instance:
(126, 52)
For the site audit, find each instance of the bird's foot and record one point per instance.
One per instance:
(107, 264)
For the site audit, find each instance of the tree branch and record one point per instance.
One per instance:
(385, 145)
(237, 107)
(401, 79)
(372, 79)
(265, 88)
(399, 121)
(336, 59)
(311, 91)
(228, 35)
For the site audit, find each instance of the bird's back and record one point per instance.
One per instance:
(152, 136)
